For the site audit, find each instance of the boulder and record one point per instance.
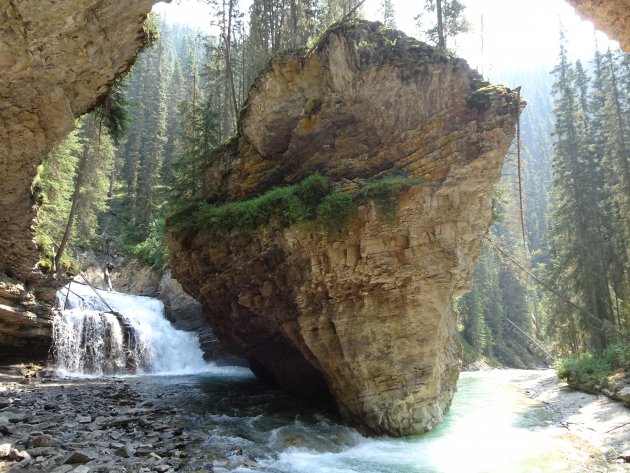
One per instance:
(356, 310)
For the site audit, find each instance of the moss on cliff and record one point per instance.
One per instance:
(286, 205)
(312, 200)
(482, 98)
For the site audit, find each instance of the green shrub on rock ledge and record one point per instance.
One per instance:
(312, 200)
(592, 372)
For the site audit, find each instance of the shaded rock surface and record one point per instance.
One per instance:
(56, 59)
(185, 313)
(25, 322)
(362, 315)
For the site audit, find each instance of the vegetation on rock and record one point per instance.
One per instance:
(593, 372)
(312, 200)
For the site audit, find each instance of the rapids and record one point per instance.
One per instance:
(236, 423)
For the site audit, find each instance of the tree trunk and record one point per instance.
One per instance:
(440, 25)
(78, 185)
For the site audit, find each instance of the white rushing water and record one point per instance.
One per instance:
(492, 427)
(89, 340)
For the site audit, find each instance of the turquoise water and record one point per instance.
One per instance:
(491, 427)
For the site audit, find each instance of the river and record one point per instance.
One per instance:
(238, 424)
(491, 427)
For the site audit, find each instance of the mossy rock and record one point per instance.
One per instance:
(482, 98)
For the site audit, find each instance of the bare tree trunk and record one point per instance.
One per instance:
(440, 25)
(228, 58)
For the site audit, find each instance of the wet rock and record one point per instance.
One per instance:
(126, 451)
(42, 441)
(624, 395)
(42, 451)
(163, 468)
(17, 418)
(119, 421)
(77, 457)
(19, 455)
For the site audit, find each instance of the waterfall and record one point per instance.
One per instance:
(89, 340)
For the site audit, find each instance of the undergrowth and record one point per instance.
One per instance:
(593, 371)
(312, 200)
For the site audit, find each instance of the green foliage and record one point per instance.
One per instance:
(309, 200)
(112, 112)
(199, 143)
(469, 354)
(593, 371)
(56, 177)
(481, 98)
(153, 249)
(442, 19)
(588, 240)
(336, 210)
(286, 205)
(586, 369)
(151, 29)
(385, 191)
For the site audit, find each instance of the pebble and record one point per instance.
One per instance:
(5, 449)
(84, 426)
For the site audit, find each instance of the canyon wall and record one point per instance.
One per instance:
(610, 16)
(57, 59)
(360, 314)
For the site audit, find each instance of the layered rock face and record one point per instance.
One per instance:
(361, 315)
(611, 16)
(56, 59)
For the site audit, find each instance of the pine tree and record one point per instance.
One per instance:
(579, 222)
(201, 133)
(90, 185)
(388, 13)
(446, 20)
(56, 178)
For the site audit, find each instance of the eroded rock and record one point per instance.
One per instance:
(362, 315)
(57, 59)
(611, 16)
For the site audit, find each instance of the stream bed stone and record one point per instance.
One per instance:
(93, 425)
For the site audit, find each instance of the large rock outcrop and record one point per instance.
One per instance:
(56, 59)
(362, 314)
(611, 16)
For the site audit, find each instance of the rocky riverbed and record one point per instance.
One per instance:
(599, 422)
(97, 425)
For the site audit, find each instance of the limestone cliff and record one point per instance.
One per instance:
(611, 16)
(362, 314)
(56, 59)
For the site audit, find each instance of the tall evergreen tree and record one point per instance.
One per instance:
(578, 219)
(388, 13)
(442, 19)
